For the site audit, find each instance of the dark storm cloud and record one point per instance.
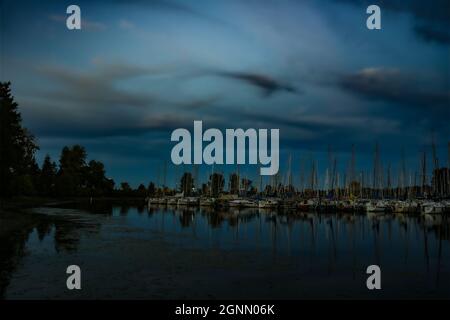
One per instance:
(392, 85)
(170, 7)
(96, 88)
(431, 18)
(430, 34)
(68, 128)
(314, 132)
(266, 83)
(101, 86)
(195, 104)
(157, 4)
(97, 104)
(51, 120)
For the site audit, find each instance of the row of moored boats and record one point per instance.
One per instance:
(321, 205)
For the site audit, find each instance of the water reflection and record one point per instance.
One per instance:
(410, 248)
(64, 227)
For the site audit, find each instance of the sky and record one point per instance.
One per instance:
(139, 69)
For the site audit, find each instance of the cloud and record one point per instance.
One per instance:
(266, 83)
(56, 119)
(430, 34)
(105, 102)
(312, 130)
(320, 124)
(98, 88)
(173, 7)
(393, 85)
(157, 4)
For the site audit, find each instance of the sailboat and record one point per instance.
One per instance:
(432, 207)
(379, 206)
(268, 203)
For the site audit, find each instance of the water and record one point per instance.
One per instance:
(169, 253)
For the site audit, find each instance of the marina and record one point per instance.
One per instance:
(312, 205)
(419, 190)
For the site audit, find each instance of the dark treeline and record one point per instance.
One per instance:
(73, 176)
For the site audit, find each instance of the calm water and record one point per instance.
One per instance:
(158, 253)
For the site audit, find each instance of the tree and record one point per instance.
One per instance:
(17, 148)
(76, 178)
(141, 191)
(97, 183)
(47, 177)
(151, 189)
(72, 171)
(95, 175)
(19, 172)
(125, 189)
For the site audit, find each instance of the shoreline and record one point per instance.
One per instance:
(23, 203)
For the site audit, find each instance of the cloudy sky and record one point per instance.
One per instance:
(139, 69)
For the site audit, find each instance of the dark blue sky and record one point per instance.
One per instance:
(139, 69)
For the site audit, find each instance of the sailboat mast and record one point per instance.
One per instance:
(352, 172)
(436, 167)
(424, 172)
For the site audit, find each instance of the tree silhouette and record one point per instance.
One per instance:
(20, 174)
(72, 170)
(47, 178)
(141, 191)
(151, 189)
(17, 148)
(97, 183)
(125, 189)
